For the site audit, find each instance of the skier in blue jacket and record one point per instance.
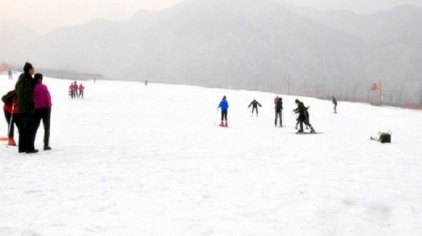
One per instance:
(224, 106)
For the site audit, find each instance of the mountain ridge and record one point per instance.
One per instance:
(246, 44)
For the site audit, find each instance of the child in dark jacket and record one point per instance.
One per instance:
(255, 104)
(11, 112)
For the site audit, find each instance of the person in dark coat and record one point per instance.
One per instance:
(335, 104)
(42, 100)
(278, 110)
(10, 73)
(26, 124)
(254, 104)
(224, 106)
(303, 117)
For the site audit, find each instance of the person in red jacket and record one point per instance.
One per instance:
(71, 91)
(81, 91)
(11, 112)
(73, 88)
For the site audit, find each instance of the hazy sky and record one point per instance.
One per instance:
(44, 15)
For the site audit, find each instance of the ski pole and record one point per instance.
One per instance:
(11, 121)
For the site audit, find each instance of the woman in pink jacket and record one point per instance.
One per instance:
(42, 100)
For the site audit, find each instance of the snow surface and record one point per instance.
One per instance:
(136, 160)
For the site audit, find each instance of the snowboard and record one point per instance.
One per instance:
(4, 139)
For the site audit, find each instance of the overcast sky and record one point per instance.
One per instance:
(44, 15)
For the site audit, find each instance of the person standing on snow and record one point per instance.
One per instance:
(24, 90)
(254, 104)
(81, 91)
(224, 106)
(76, 89)
(303, 117)
(11, 111)
(278, 110)
(42, 100)
(335, 104)
(10, 73)
(71, 91)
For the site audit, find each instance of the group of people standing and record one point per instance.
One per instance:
(76, 91)
(301, 111)
(27, 106)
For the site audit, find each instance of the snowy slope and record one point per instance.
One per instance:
(136, 160)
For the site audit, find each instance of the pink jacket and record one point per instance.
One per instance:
(42, 98)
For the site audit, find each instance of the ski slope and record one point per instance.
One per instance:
(136, 160)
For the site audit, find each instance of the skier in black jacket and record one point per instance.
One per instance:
(303, 117)
(278, 109)
(335, 104)
(254, 104)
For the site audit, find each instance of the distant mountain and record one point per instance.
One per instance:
(394, 36)
(402, 24)
(249, 44)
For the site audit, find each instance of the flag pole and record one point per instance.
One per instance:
(380, 92)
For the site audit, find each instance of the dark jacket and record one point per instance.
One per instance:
(334, 101)
(24, 90)
(302, 111)
(10, 102)
(278, 105)
(255, 104)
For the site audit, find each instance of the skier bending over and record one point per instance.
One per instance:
(224, 106)
(254, 104)
(278, 109)
(298, 121)
(335, 104)
(303, 117)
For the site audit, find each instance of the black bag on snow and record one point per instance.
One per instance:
(385, 138)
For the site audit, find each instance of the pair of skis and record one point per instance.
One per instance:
(305, 133)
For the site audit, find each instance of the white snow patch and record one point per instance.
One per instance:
(136, 160)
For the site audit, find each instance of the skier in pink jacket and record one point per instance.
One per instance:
(81, 91)
(42, 100)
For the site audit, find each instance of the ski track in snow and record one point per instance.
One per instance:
(136, 160)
